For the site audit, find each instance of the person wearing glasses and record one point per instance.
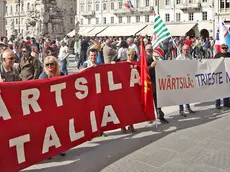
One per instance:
(29, 66)
(51, 68)
(130, 58)
(224, 53)
(8, 72)
(185, 55)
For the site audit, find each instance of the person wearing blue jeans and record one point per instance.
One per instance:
(64, 67)
(226, 103)
(188, 109)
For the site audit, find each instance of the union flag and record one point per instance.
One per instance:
(146, 85)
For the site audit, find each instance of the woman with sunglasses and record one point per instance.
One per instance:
(51, 68)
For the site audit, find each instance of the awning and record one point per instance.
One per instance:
(85, 30)
(71, 34)
(96, 31)
(122, 30)
(175, 30)
(180, 29)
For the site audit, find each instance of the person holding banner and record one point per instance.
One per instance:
(8, 72)
(130, 58)
(152, 56)
(224, 53)
(51, 68)
(185, 55)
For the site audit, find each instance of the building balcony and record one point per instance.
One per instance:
(190, 7)
(88, 14)
(119, 11)
(145, 9)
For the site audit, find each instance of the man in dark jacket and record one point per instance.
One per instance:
(151, 65)
(224, 53)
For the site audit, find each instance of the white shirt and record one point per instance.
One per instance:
(182, 57)
(63, 52)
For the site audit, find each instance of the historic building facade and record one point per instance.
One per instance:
(2, 18)
(39, 17)
(194, 17)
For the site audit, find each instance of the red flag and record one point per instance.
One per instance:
(146, 85)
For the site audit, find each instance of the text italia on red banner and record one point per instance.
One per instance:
(42, 118)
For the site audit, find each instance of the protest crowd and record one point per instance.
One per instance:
(31, 59)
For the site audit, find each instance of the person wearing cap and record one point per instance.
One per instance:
(8, 72)
(225, 54)
(152, 56)
(185, 55)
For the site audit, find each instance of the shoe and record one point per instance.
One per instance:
(163, 121)
(123, 130)
(103, 135)
(182, 114)
(150, 122)
(131, 128)
(62, 154)
(190, 111)
(218, 107)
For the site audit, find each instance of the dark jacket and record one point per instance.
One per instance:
(29, 68)
(151, 72)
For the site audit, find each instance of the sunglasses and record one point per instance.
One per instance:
(50, 64)
(130, 54)
(224, 48)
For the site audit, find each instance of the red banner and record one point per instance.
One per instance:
(42, 118)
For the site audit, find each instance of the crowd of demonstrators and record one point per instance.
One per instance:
(28, 59)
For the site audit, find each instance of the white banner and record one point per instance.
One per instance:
(188, 81)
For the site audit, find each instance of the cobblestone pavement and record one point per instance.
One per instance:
(198, 143)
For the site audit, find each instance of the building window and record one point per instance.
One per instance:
(71, 20)
(190, 1)
(120, 5)
(89, 21)
(22, 21)
(89, 7)
(227, 4)
(97, 20)
(147, 3)
(190, 16)
(6, 9)
(82, 8)
(166, 2)
(11, 9)
(167, 17)
(138, 19)
(119, 19)
(104, 6)
(28, 6)
(128, 19)
(137, 3)
(16, 21)
(97, 7)
(104, 20)
(82, 22)
(17, 8)
(22, 7)
(112, 20)
(178, 2)
(112, 5)
(204, 15)
(156, 3)
(147, 18)
(178, 17)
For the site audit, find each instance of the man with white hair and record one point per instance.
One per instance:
(185, 55)
(133, 46)
(108, 52)
(8, 72)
